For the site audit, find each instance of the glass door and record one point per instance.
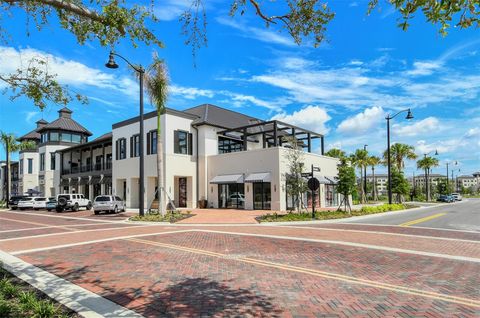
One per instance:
(182, 192)
(231, 196)
(262, 196)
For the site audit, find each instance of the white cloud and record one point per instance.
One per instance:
(311, 117)
(30, 116)
(168, 10)
(362, 122)
(423, 126)
(260, 34)
(190, 92)
(424, 68)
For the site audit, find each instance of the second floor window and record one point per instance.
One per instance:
(42, 162)
(121, 149)
(52, 161)
(30, 166)
(135, 146)
(227, 145)
(182, 142)
(152, 142)
(21, 167)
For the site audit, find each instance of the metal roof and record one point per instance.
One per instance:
(221, 117)
(64, 123)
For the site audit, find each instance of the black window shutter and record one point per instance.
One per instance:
(131, 147)
(190, 144)
(176, 146)
(149, 137)
(116, 150)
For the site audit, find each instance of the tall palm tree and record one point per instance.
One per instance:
(374, 161)
(399, 152)
(156, 79)
(336, 153)
(427, 163)
(11, 145)
(359, 159)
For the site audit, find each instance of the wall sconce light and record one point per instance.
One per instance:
(248, 188)
(211, 189)
(274, 188)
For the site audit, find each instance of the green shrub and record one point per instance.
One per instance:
(171, 217)
(6, 309)
(7, 289)
(27, 300)
(44, 309)
(382, 208)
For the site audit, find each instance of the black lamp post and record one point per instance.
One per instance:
(388, 118)
(141, 72)
(452, 171)
(427, 175)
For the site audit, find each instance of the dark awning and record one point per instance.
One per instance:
(64, 183)
(74, 181)
(95, 180)
(106, 180)
(83, 181)
(259, 177)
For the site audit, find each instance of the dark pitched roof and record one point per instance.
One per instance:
(67, 124)
(103, 137)
(31, 135)
(221, 117)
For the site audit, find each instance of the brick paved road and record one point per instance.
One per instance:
(336, 270)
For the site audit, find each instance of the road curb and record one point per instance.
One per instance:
(78, 299)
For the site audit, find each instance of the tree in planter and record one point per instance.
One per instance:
(346, 186)
(400, 185)
(11, 145)
(156, 79)
(360, 159)
(296, 184)
(374, 161)
(427, 163)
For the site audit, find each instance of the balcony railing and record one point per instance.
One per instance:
(87, 168)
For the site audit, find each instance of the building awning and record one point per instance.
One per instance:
(83, 181)
(74, 181)
(259, 177)
(95, 180)
(106, 180)
(228, 178)
(64, 183)
(333, 180)
(326, 179)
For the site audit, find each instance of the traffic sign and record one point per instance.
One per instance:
(313, 184)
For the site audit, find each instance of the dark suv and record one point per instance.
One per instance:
(13, 202)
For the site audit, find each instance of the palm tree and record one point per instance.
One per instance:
(156, 79)
(400, 152)
(336, 153)
(427, 163)
(374, 161)
(360, 160)
(11, 145)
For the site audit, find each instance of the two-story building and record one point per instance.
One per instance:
(229, 159)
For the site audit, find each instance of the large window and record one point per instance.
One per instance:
(152, 142)
(52, 161)
(135, 146)
(121, 149)
(42, 161)
(30, 166)
(54, 136)
(231, 196)
(226, 145)
(21, 166)
(182, 142)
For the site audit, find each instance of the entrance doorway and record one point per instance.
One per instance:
(262, 196)
(231, 196)
(182, 192)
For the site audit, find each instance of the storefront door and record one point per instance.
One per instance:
(182, 192)
(231, 196)
(262, 196)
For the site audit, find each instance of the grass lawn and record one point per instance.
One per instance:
(329, 215)
(20, 300)
(171, 217)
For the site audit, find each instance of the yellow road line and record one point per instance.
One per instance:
(328, 275)
(428, 218)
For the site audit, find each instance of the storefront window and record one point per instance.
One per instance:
(231, 196)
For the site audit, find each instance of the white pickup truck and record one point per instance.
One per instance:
(72, 201)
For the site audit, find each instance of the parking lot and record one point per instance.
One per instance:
(253, 270)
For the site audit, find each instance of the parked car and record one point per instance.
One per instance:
(13, 202)
(236, 199)
(26, 203)
(457, 196)
(39, 203)
(108, 203)
(72, 201)
(445, 198)
(51, 204)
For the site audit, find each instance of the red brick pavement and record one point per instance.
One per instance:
(398, 229)
(156, 281)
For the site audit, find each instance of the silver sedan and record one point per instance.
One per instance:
(108, 203)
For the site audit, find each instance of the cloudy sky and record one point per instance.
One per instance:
(344, 89)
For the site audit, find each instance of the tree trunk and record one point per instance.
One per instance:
(374, 191)
(160, 184)
(9, 174)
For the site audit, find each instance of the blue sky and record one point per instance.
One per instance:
(344, 88)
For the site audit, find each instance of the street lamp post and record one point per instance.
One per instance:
(427, 174)
(388, 118)
(141, 72)
(365, 176)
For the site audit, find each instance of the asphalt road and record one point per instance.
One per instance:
(464, 216)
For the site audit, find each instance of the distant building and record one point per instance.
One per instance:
(469, 181)
(381, 180)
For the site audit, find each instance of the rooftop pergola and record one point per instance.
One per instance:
(274, 133)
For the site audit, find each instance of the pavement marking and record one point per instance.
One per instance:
(415, 227)
(375, 247)
(323, 274)
(381, 232)
(73, 231)
(48, 227)
(425, 219)
(66, 217)
(78, 299)
(37, 223)
(41, 249)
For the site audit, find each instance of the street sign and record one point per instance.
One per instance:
(313, 184)
(306, 174)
